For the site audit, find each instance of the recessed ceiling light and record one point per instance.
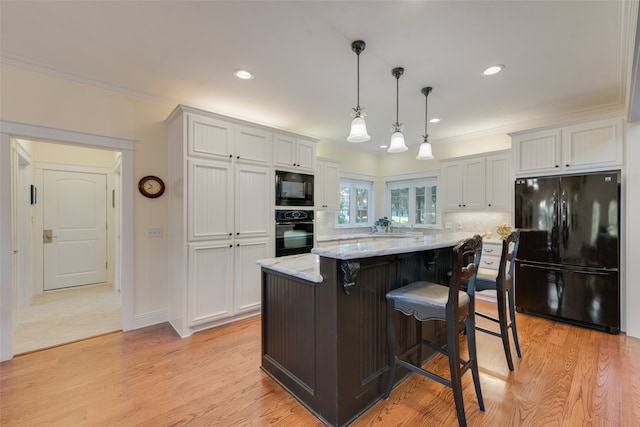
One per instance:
(434, 120)
(242, 74)
(384, 146)
(494, 69)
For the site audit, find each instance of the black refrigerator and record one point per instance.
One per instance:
(568, 263)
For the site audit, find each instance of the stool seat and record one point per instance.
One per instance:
(425, 300)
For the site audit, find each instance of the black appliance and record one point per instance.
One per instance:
(294, 189)
(568, 263)
(294, 232)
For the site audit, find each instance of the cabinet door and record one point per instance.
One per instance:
(209, 138)
(306, 155)
(210, 200)
(452, 184)
(537, 152)
(254, 190)
(473, 185)
(593, 145)
(253, 145)
(247, 292)
(210, 282)
(327, 185)
(499, 184)
(284, 151)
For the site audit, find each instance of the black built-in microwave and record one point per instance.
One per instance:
(294, 189)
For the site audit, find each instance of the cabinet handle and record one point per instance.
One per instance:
(231, 156)
(238, 233)
(464, 206)
(557, 166)
(230, 246)
(567, 165)
(230, 234)
(489, 204)
(238, 157)
(488, 250)
(237, 244)
(488, 262)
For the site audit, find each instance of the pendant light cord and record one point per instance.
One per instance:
(358, 80)
(397, 99)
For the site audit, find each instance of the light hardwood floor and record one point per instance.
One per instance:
(568, 376)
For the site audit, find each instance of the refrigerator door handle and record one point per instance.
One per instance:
(565, 270)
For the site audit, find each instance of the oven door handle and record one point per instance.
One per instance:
(294, 223)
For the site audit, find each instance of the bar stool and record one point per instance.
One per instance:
(430, 301)
(502, 283)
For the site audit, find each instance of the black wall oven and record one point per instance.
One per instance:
(294, 232)
(294, 189)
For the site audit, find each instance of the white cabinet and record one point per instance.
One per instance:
(499, 182)
(327, 184)
(490, 257)
(579, 147)
(209, 138)
(291, 153)
(253, 145)
(478, 182)
(464, 184)
(220, 218)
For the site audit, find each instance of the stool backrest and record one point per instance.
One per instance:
(466, 258)
(509, 252)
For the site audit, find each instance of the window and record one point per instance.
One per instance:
(356, 202)
(413, 202)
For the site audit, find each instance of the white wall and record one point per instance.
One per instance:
(632, 298)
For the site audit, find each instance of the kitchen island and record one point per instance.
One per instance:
(324, 319)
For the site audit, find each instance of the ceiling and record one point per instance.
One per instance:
(563, 59)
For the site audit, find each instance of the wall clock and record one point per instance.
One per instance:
(151, 186)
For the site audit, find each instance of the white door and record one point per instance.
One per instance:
(75, 228)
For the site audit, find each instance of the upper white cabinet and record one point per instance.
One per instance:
(253, 145)
(327, 185)
(464, 183)
(482, 182)
(499, 182)
(580, 147)
(291, 153)
(209, 138)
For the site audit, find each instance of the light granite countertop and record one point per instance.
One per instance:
(382, 247)
(305, 266)
(353, 236)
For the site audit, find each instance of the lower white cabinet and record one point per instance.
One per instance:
(224, 280)
(490, 258)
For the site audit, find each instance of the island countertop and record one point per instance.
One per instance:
(347, 251)
(304, 266)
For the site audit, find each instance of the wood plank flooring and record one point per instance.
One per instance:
(568, 376)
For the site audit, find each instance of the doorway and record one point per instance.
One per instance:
(73, 294)
(10, 260)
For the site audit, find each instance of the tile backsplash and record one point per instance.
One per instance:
(476, 222)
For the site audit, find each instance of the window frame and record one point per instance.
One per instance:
(358, 181)
(412, 181)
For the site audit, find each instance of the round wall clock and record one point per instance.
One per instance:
(151, 186)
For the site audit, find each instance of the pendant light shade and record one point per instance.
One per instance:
(397, 144)
(425, 152)
(358, 130)
(358, 126)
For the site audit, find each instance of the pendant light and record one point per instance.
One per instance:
(397, 144)
(358, 125)
(425, 148)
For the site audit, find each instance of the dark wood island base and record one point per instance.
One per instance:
(326, 342)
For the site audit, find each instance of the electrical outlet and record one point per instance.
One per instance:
(448, 225)
(459, 225)
(154, 232)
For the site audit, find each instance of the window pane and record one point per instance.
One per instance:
(431, 217)
(421, 205)
(343, 212)
(400, 206)
(362, 205)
